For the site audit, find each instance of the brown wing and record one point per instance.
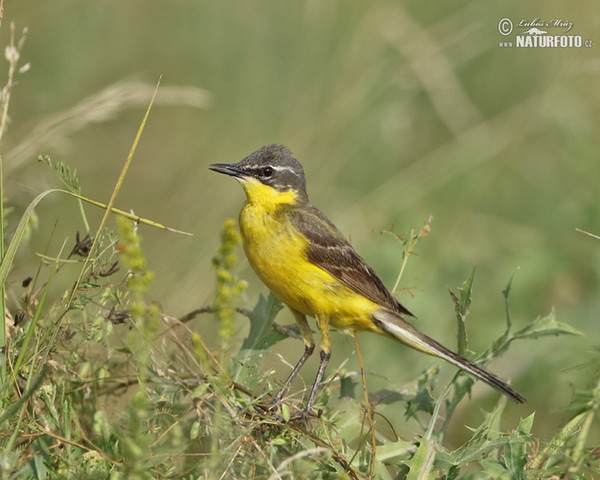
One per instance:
(330, 251)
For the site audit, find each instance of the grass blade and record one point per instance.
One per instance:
(114, 194)
(18, 236)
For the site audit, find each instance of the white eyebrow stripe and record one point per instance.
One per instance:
(281, 168)
(274, 167)
(278, 168)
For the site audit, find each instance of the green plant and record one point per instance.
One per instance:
(98, 382)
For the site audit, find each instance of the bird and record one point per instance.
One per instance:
(306, 262)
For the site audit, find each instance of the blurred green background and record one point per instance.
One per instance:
(397, 110)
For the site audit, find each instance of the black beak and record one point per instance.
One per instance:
(227, 169)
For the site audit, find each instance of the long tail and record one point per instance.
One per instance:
(396, 327)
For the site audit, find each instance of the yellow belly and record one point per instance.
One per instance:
(276, 252)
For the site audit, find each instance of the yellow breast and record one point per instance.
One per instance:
(276, 252)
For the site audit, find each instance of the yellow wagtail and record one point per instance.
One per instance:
(308, 264)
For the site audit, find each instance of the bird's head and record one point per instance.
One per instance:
(271, 174)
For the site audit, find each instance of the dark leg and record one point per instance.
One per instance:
(325, 356)
(315, 388)
(309, 348)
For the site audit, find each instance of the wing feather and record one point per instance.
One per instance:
(330, 251)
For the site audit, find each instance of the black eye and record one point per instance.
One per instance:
(267, 171)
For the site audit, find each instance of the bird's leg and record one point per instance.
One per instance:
(315, 388)
(325, 356)
(309, 348)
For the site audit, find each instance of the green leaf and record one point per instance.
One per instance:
(543, 326)
(285, 412)
(484, 439)
(462, 305)
(42, 459)
(379, 469)
(515, 453)
(347, 387)
(15, 406)
(421, 402)
(465, 289)
(494, 469)
(195, 430)
(67, 176)
(398, 450)
(506, 294)
(422, 462)
(260, 338)
(557, 445)
(525, 425)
